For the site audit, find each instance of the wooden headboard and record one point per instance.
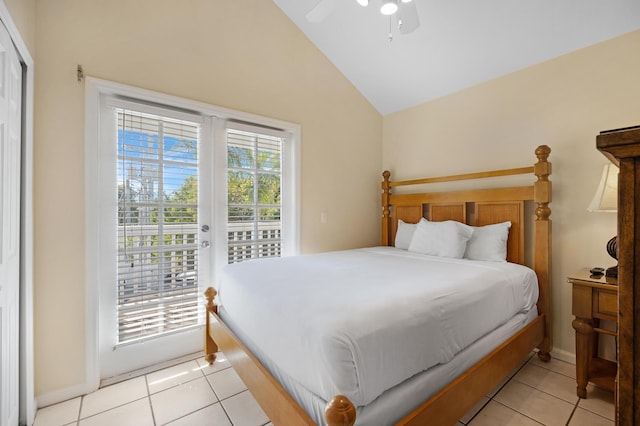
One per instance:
(477, 213)
(476, 207)
(483, 207)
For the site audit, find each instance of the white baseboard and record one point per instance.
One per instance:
(61, 395)
(65, 394)
(142, 371)
(563, 356)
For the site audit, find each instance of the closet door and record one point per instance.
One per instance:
(10, 143)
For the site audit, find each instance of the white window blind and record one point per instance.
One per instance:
(254, 177)
(157, 237)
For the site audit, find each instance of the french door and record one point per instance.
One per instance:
(10, 158)
(158, 169)
(157, 182)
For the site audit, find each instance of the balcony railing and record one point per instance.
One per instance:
(251, 240)
(158, 275)
(157, 279)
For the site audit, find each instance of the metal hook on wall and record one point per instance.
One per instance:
(80, 73)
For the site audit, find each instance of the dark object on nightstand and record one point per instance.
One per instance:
(597, 271)
(612, 249)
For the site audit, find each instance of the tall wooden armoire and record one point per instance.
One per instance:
(622, 147)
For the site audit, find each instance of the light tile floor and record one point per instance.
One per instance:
(196, 394)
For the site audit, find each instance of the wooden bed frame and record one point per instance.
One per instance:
(476, 207)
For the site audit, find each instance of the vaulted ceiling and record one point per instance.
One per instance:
(459, 43)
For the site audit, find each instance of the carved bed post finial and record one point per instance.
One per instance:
(542, 152)
(340, 412)
(210, 293)
(542, 236)
(210, 347)
(542, 188)
(386, 211)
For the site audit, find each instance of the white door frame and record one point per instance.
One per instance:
(27, 396)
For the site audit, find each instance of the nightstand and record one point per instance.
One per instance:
(594, 298)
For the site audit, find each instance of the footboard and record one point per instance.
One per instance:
(272, 397)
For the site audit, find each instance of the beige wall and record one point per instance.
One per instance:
(241, 54)
(563, 103)
(23, 14)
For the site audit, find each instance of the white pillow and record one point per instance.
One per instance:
(489, 242)
(445, 239)
(404, 234)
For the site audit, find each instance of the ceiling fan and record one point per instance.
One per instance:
(404, 12)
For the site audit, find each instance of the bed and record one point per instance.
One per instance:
(396, 334)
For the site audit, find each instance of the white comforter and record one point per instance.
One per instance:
(359, 322)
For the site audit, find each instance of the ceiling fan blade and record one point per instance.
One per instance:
(408, 15)
(321, 10)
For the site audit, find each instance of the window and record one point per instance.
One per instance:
(254, 194)
(157, 236)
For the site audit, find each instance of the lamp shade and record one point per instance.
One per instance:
(606, 196)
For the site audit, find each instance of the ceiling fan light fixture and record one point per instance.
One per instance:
(363, 2)
(389, 7)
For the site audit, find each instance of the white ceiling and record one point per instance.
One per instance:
(459, 43)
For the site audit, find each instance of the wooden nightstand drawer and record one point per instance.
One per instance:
(608, 303)
(595, 298)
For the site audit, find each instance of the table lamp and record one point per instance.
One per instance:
(606, 200)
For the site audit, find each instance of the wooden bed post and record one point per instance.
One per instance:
(386, 212)
(542, 237)
(340, 411)
(210, 347)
